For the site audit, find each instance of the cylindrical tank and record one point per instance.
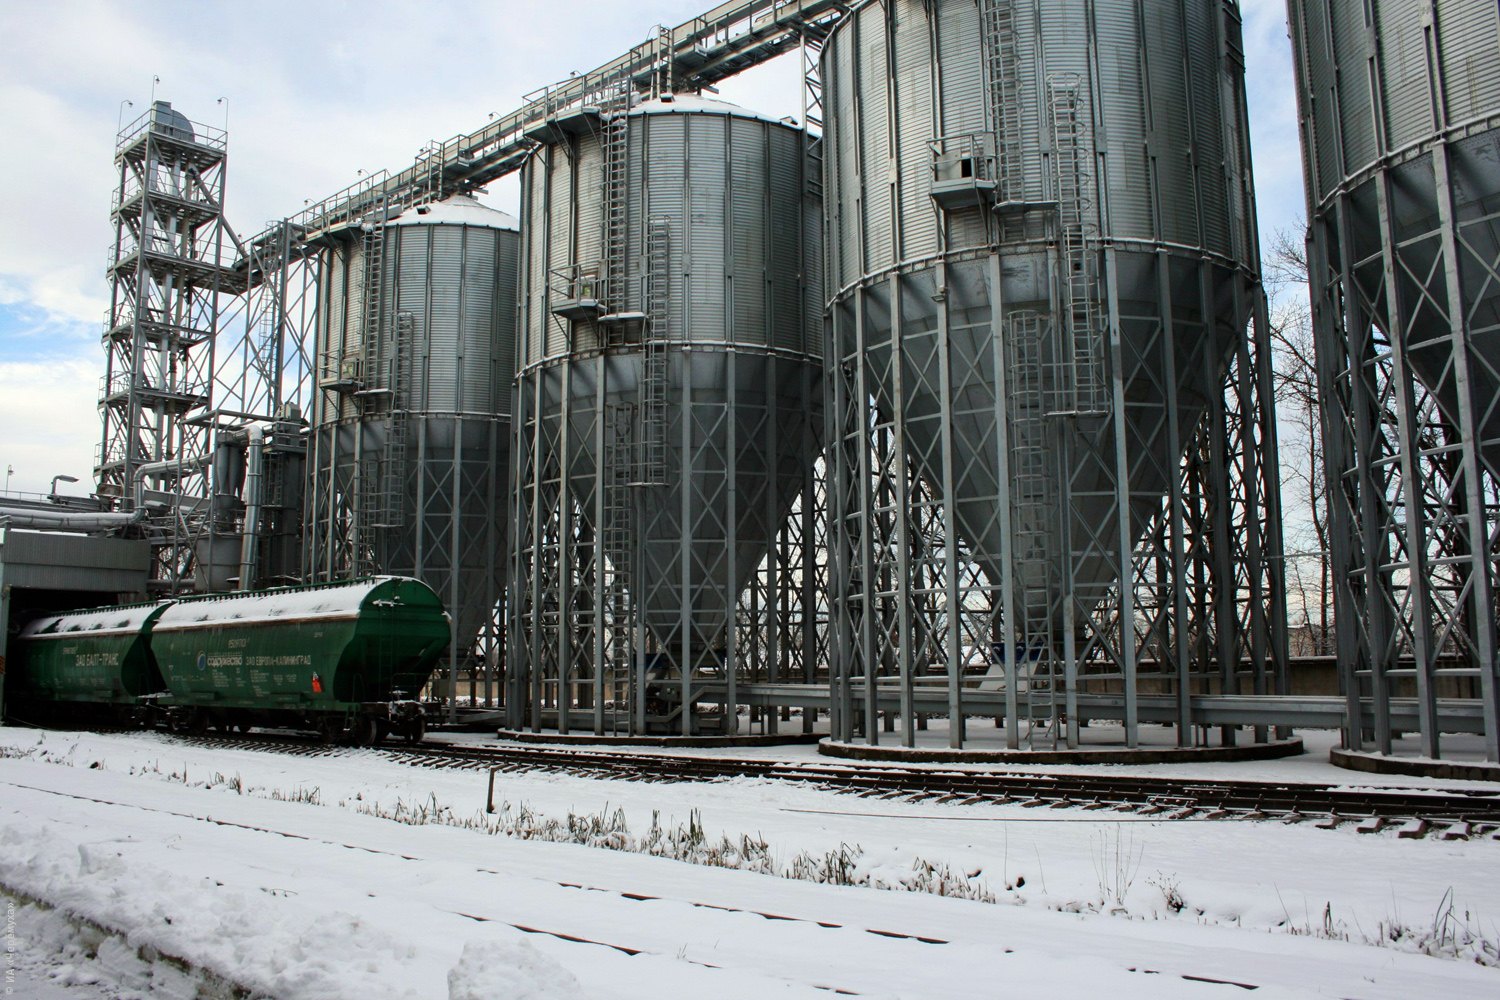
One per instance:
(1400, 104)
(410, 441)
(668, 394)
(1041, 258)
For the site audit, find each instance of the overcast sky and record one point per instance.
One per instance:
(314, 92)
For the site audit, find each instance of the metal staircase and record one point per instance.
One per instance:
(1083, 362)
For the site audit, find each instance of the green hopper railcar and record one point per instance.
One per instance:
(86, 665)
(343, 659)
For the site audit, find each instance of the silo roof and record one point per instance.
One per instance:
(459, 210)
(698, 104)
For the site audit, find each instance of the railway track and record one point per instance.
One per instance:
(1410, 812)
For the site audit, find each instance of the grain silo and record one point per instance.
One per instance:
(1042, 265)
(1399, 105)
(410, 447)
(668, 403)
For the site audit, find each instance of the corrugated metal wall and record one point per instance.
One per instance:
(730, 189)
(910, 72)
(1342, 47)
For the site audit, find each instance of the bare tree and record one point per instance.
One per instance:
(1299, 409)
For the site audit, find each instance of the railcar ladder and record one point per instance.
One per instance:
(1032, 517)
(1003, 78)
(1083, 363)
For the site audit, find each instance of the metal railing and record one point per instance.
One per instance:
(964, 156)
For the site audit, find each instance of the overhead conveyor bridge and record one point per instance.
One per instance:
(709, 48)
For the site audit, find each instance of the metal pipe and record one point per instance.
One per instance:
(171, 465)
(47, 520)
(255, 446)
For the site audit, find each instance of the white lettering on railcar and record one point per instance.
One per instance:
(281, 660)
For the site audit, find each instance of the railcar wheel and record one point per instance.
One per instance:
(415, 730)
(382, 730)
(328, 730)
(198, 723)
(362, 731)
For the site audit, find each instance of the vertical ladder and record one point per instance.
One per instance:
(1083, 362)
(652, 391)
(662, 81)
(1032, 514)
(617, 537)
(373, 321)
(370, 514)
(615, 141)
(393, 459)
(367, 517)
(1003, 78)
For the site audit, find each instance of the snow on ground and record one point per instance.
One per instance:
(271, 871)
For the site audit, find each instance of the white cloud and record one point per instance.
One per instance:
(48, 422)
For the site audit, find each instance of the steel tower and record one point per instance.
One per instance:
(165, 278)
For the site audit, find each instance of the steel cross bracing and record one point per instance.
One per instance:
(711, 47)
(1415, 508)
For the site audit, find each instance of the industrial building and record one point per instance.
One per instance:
(942, 413)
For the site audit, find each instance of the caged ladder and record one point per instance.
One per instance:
(1003, 77)
(1032, 517)
(1080, 285)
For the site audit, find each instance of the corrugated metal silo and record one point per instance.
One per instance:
(1042, 263)
(411, 440)
(1400, 104)
(668, 399)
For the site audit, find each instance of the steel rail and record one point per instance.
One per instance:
(1450, 813)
